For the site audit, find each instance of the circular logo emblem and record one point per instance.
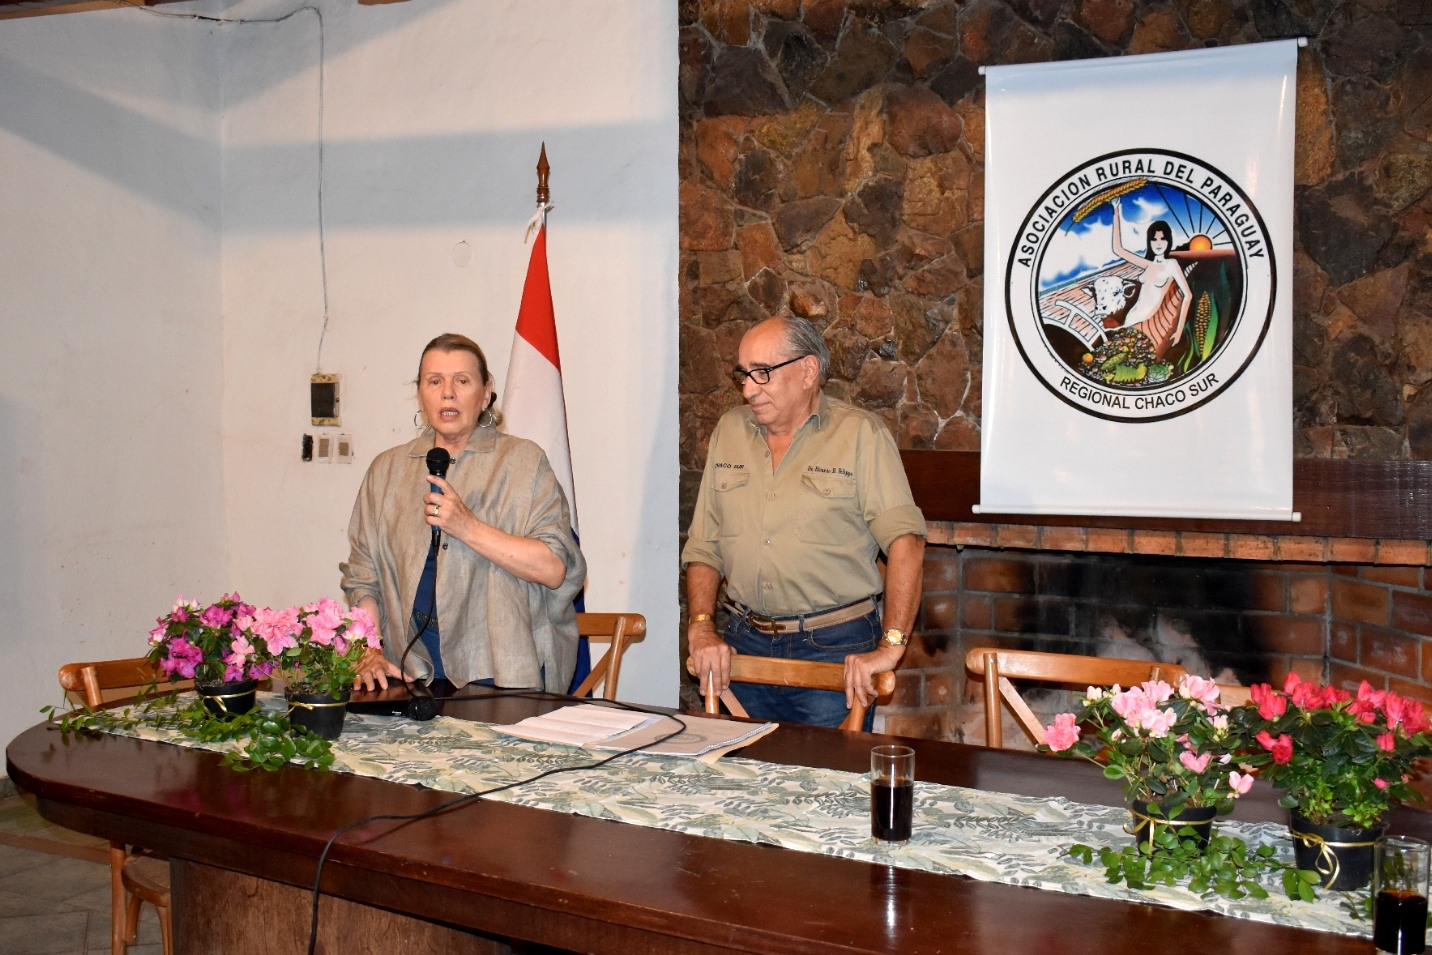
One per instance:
(1140, 285)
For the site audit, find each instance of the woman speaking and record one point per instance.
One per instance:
(492, 602)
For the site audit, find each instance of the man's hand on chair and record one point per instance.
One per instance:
(709, 654)
(860, 668)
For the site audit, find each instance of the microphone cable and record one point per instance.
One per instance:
(423, 706)
(472, 797)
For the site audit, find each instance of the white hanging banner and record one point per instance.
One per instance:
(1138, 291)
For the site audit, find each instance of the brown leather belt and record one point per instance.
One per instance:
(800, 622)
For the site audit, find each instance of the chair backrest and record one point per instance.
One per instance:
(996, 666)
(773, 671)
(621, 629)
(95, 684)
(1232, 694)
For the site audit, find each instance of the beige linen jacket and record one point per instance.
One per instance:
(492, 624)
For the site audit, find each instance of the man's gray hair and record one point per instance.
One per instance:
(802, 339)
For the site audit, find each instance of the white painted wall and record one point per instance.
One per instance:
(111, 367)
(434, 113)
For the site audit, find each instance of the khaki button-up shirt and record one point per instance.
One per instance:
(805, 538)
(490, 623)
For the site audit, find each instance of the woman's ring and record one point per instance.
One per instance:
(436, 508)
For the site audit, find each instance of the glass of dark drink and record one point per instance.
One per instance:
(892, 793)
(1399, 887)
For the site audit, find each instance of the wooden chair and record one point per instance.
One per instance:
(619, 628)
(135, 877)
(774, 671)
(1232, 694)
(995, 667)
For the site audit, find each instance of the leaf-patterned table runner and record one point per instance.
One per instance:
(994, 837)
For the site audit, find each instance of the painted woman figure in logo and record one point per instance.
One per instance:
(1164, 296)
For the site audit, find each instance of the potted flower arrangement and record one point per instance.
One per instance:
(317, 649)
(1343, 760)
(226, 648)
(211, 646)
(1171, 746)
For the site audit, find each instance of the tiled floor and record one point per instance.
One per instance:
(54, 889)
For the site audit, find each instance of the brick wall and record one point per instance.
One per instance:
(1379, 621)
(1240, 621)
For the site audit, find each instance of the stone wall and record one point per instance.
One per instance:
(832, 167)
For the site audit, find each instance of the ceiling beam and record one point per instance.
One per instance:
(42, 8)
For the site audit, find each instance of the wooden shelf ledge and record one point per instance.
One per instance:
(1112, 540)
(1366, 512)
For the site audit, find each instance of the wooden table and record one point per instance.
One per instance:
(585, 884)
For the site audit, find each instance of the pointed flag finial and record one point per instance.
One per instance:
(544, 195)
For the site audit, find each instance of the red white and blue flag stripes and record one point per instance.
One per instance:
(533, 405)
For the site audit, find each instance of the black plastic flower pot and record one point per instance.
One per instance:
(1343, 857)
(1145, 825)
(228, 700)
(318, 713)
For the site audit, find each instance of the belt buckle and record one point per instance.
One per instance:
(764, 624)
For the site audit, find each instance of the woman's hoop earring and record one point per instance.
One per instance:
(491, 419)
(417, 419)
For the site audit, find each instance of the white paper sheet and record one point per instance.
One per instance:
(593, 726)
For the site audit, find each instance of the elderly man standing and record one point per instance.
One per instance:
(800, 496)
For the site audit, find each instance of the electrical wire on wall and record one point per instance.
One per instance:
(322, 237)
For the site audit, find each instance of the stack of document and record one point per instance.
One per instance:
(593, 726)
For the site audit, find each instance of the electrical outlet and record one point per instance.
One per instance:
(342, 449)
(323, 451)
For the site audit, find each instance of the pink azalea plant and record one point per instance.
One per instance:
(212, 645)
(1172, 746)
(318, 646)
(1343, 758)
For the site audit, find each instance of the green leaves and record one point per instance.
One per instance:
(265, 740)
(1227, 867)
(273, 742)
(1299, 883)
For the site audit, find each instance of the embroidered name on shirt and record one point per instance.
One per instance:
(734, 467)
(813, 469)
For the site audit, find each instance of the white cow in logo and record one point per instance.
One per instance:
(1110, 294)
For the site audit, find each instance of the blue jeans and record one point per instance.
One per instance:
(789, 704)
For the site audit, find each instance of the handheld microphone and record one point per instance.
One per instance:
(438, 461)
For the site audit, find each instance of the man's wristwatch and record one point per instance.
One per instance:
(894, 638)
(700, 617)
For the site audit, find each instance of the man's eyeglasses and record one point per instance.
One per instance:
(760, 375)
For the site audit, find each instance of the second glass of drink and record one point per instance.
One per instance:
(892, 793)
(1399, 886)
